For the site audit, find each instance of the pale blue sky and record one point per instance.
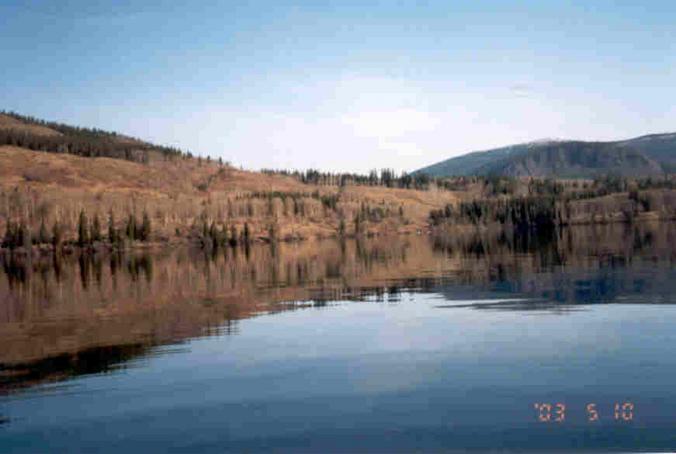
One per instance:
(345, 85)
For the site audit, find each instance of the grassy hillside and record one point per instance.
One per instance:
(651, 155)
(183, 196)
(107, 173)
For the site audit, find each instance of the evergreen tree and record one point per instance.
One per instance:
(233, 235)
(112, 233)
(56, 235)
(26, 237)
(131, 227)
(224, 234)
(82, 232)
(144, 231)
(213, 233)
(246, 233)
(205, 230)
(9, 240)
(96, 229)
(19, 234)
(43, 236)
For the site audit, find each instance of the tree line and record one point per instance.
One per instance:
(384, 177)
(89, 232)
(86, 142)
(520, 212)
(547, 202)
(213, 236)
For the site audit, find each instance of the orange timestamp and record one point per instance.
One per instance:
(556, 412)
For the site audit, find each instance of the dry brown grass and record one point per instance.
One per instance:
(7, 122)
(183, 193)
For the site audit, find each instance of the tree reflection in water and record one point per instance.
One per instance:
(63, 316)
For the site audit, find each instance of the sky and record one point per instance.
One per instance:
(345, 85)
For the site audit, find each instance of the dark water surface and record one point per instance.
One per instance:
(551, 342)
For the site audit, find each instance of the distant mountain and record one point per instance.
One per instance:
(650, 155)
(660, 147)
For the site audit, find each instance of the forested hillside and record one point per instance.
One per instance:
(652, 155)
(520, 205)
(40, 135)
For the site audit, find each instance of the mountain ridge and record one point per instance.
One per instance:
(646, 155)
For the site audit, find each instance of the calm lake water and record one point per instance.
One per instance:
(559, 341)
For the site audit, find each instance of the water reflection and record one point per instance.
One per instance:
(64, 316)
(583, 265)
(93, 360)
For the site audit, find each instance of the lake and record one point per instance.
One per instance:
(563, 340)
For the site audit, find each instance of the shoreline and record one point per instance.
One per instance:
(105, 247)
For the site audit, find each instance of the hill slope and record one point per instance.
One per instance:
(50, 173)
(651, 155)
(40, 135)
(660, 147)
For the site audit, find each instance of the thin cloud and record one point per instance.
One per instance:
(521, 90)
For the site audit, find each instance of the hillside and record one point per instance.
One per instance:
(72, 186)
(40, 135)
(56, 173)
(659, 147)
(468, 164)
(651, 155)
